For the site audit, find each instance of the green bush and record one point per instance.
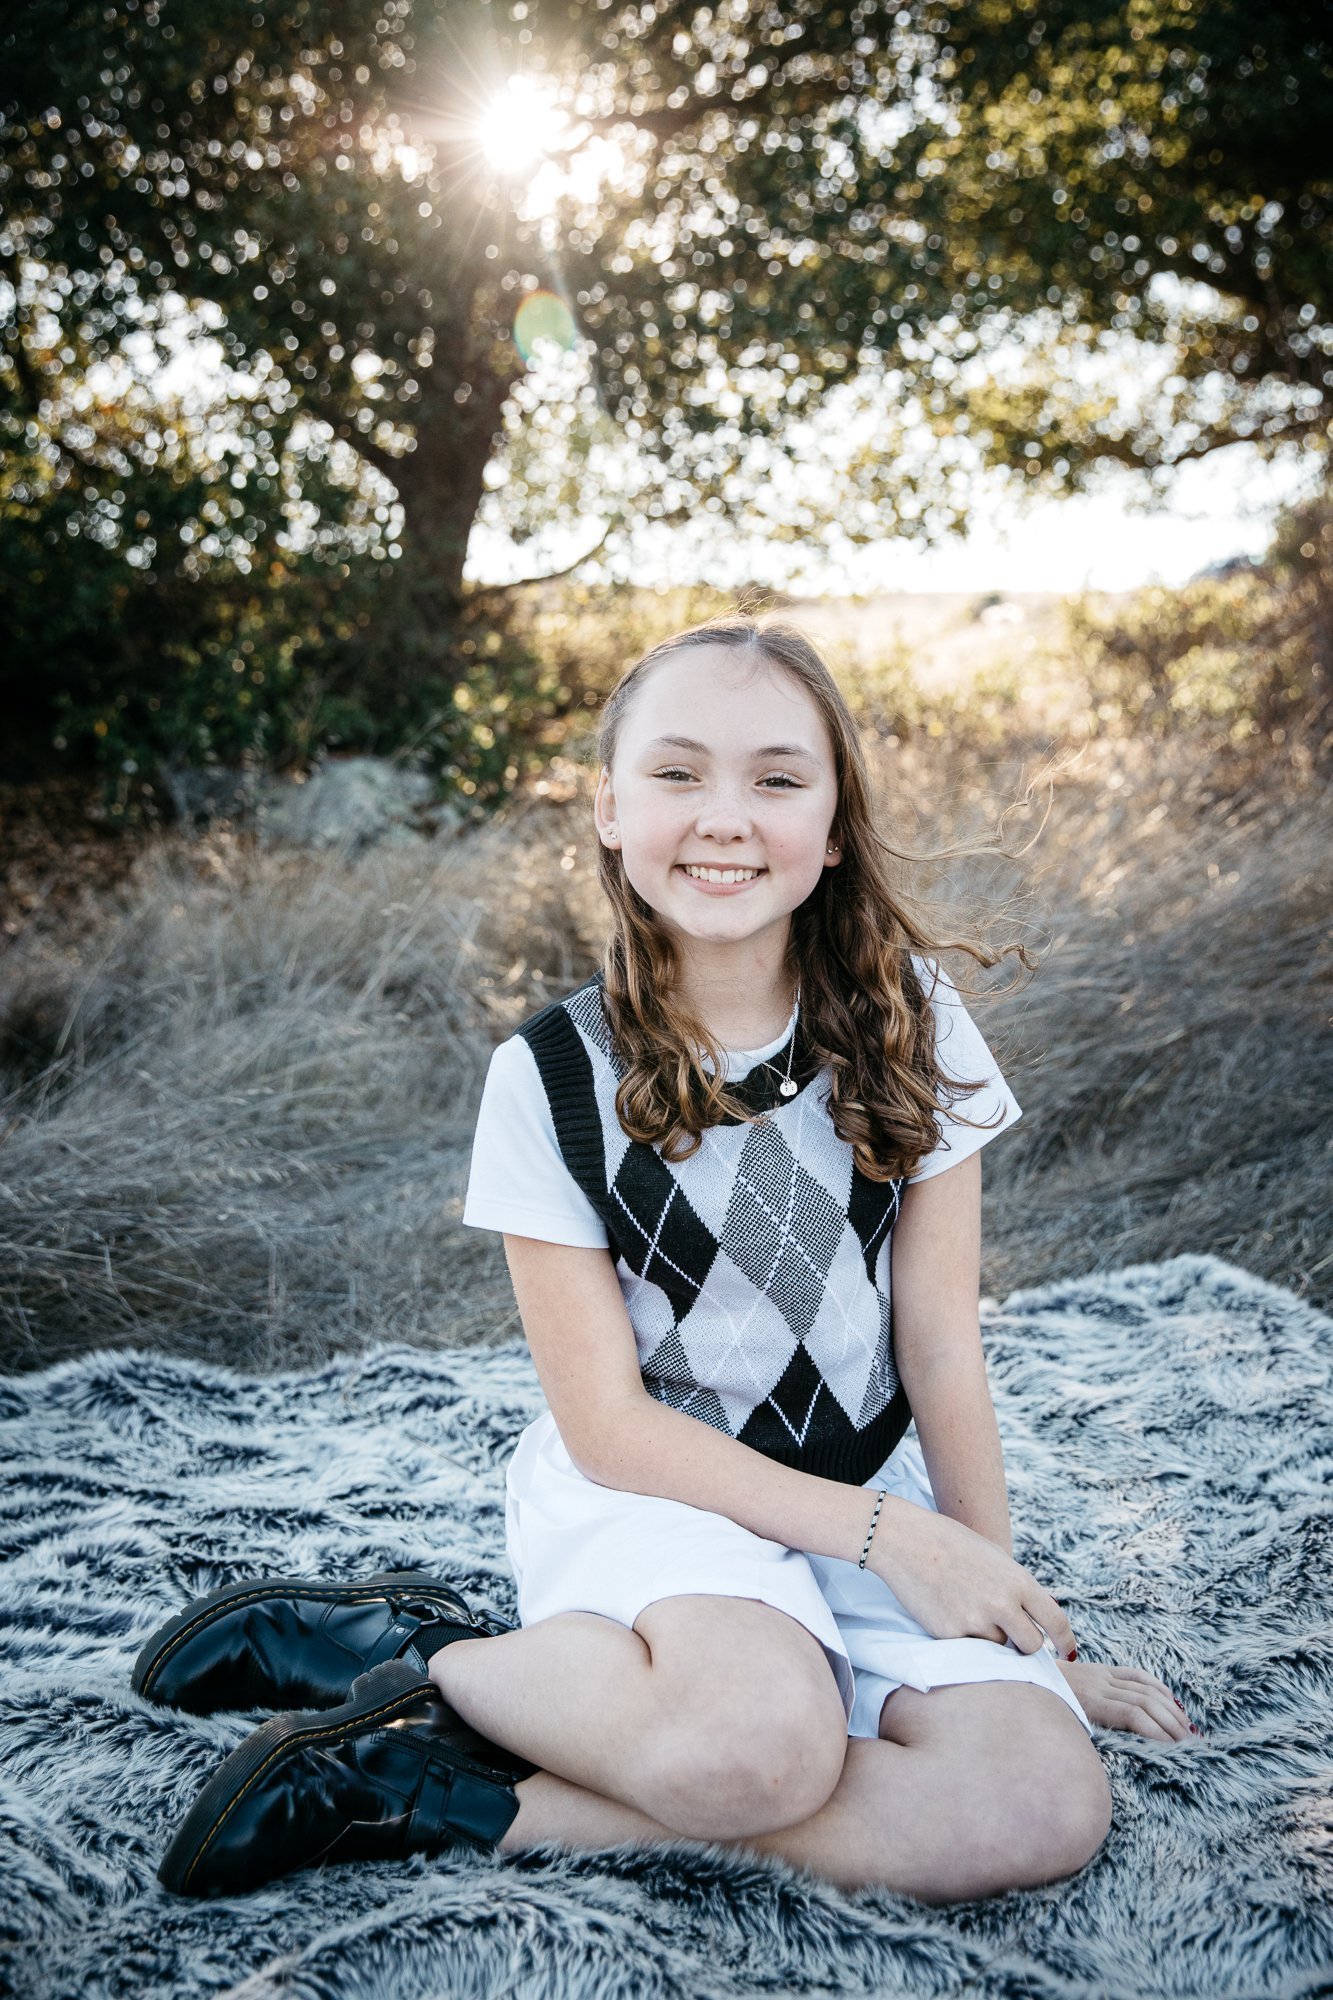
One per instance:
(1239, 657)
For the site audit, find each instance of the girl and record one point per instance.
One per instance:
(742, 1219)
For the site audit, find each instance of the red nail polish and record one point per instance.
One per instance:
(1072, 1654)
(1179, 1703)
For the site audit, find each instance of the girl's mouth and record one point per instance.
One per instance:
(719, 877)
(731, 888)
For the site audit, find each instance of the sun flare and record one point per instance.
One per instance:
(519, 127)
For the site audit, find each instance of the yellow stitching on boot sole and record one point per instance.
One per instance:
(245, 1597)
(302, 1737)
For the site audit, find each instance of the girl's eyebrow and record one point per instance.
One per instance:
(772, 750)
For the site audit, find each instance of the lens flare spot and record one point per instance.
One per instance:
(542, 316)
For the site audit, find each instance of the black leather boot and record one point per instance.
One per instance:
(393, 1771)
(294, 1642)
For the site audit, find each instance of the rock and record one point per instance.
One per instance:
(348, 801)
(344, 802)
(203, 792)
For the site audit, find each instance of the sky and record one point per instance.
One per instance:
(1220, 507)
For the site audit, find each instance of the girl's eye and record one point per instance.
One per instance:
(775, 779)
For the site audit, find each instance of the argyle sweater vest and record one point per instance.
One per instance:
(756, 1273)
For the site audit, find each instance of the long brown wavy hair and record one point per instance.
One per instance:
(863, 1010)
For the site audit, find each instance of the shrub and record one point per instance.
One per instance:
(1243, 657)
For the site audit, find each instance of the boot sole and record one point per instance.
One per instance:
(202, 1611)
(227, 1788)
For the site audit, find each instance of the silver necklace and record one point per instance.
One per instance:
(787, 1087)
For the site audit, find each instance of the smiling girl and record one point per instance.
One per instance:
(738, 1177)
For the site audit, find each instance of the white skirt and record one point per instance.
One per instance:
(578, 1546)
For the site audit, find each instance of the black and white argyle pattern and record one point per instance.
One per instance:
(756, 1273)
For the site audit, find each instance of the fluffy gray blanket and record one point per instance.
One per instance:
(1168, 1445)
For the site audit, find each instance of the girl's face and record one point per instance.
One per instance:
(722, 764)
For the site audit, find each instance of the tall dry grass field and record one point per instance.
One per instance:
(240, 1094)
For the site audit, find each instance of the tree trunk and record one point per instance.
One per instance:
(412, 649)
(441, 486)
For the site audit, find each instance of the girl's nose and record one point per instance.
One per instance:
(723, 819)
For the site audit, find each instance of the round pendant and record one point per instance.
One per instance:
(786, 1088)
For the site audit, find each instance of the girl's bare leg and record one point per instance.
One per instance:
(718, 1719)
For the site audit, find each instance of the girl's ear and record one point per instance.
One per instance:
(603, 810)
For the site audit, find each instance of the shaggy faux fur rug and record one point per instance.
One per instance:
(1167, 1438)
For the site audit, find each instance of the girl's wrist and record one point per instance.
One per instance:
(895, 1515)
(880, 1498)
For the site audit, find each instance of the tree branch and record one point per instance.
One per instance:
(669, 120)
(374, 454)
(551, 576)
(1120, 451)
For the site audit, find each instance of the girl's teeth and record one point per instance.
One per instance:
(723, 874)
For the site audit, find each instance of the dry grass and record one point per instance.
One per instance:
(245, 1102)
(1172, 1054)
(241, 1094)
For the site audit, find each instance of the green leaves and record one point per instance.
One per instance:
(1059, 233)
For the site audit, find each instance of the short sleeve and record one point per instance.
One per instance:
(518, 1181)
(963, 1056)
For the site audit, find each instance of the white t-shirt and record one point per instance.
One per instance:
(519, 1183)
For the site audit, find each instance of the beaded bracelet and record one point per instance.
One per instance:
(874, 1522)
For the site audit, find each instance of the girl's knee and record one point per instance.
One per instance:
(721, 1771)
(751, 1732)
(1087, 1819)
(1059, 1809)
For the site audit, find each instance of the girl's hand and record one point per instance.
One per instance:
(1128, 1698)
(961, 1586)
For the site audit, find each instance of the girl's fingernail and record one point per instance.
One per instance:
(1195, 1727)
(1072, 1654)
(1179, 1703)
